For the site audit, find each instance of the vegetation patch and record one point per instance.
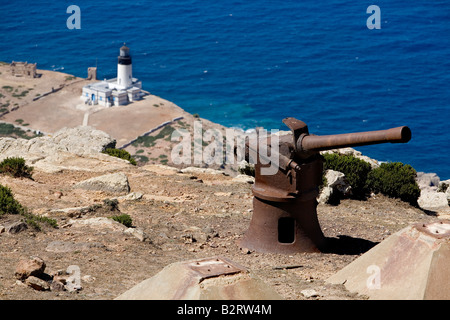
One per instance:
(393, 179)
(396, 180)
(9, 130)
(9, 205)
(150, 141)
(124, 219)
(119, 153)
(355, 170)
(15, 167)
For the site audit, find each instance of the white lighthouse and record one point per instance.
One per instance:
(118, 91)
(124, 68)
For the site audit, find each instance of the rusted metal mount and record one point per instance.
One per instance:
(284, 206)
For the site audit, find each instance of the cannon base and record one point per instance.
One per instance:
(284, 227)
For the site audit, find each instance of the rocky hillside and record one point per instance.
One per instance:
(161, 215)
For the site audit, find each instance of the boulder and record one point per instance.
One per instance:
(432, 200)
(337, 185)
(113, 183)
(83, 139)
(34, 266)
(427, 180)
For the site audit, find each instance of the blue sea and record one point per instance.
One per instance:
(252, 63)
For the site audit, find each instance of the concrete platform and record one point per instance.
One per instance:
(412, 264)
(203, 279)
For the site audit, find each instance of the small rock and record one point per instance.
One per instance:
(242, 178)
(57, 286)
(246, 251)
(88, 278)
(136, 232)
(115, 183)
(37, 284)
(58, 194)
(32, 267)
(16, 227)
(309, 293)
(2, 229)
(195, 170)
(131, 196)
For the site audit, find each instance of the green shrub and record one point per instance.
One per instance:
(124, 219)
(119, 153)
(15, 167)
(355, 170)
(396, 180)
(9, 205)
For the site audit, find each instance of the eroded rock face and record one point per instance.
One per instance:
(68, 149)
(80, 141)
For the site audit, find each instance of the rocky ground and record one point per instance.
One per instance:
(180, 216)
(177, 215)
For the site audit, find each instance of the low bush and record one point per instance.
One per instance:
(9, 205)
(119, 153)
(15, 167)
(124, 219)
(355, 170)
(395, 179)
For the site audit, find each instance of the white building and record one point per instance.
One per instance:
(118, 91)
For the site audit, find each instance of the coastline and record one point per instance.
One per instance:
(52, 102)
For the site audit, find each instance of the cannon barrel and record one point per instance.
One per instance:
(327, 142)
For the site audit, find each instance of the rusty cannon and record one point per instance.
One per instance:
(284, 216)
